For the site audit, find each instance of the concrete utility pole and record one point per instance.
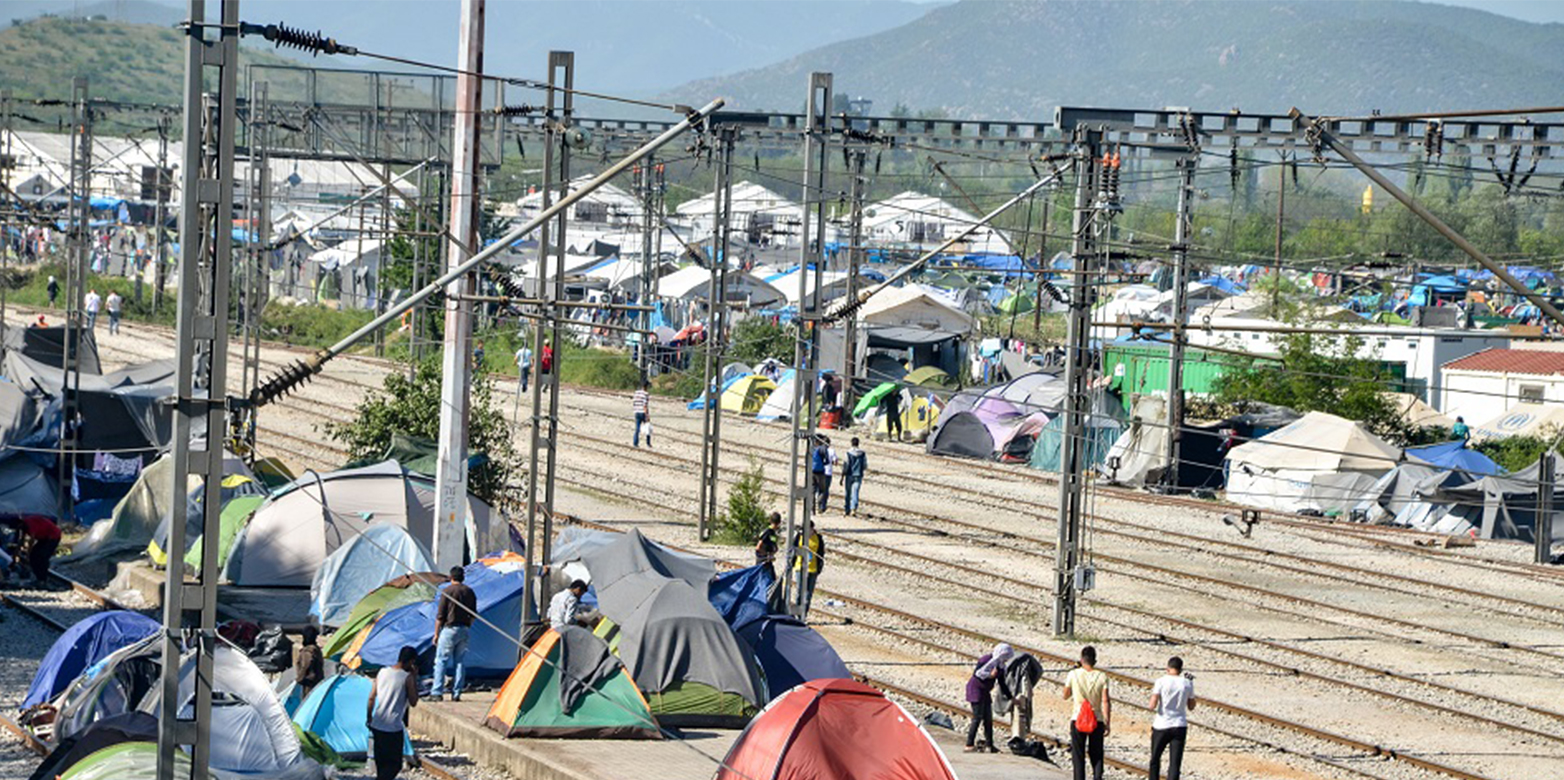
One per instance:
(199, 400)
(1078, 368)
(855, 159)
(806, 353)
(717, 326)
(1181, 231)
(75, 334)
(561, 71)
(456, 361)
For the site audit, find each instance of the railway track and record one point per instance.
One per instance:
(1320, 735)
(1029, 546)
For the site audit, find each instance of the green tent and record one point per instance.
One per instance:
(873, 397)
(1016, 304)
(236, 514)
(404, 590)
(930, 376)
(606, 706)
(125, 761)
(689, 704)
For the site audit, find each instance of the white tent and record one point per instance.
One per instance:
(607, 205)
(1524, 419)
(290, 535)
(833, 284)
(743, 287)
(765, 217)
(912, 219)
(356, 262)
(1320, 462)
(779, 405)
(913, 307)
(625, 273)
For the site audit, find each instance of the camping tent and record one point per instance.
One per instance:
(570, 685)
(289, 537)
(930, 376)
(1138, 457)
(778, 405)
(961, 435)
(1509, 505)
(401, 591)
(380, 554)
(920, 413)
(742, 595)
(1523, 419)
(241, 497)
(1456, 455)
(791, 653)
(1101, 431)
(28, 488)
(1320, 462)
(693, 668)
(334, 711)
(838, 729)
(747, 395)
(130, 727)
(497, 581)
(88, 641)
(137, 516)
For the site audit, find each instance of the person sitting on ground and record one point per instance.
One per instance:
(452, 623)
(565, 608)
(395, 690)
(308, 665)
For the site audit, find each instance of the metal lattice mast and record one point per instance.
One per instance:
(562, 72)
(165, 180)
(649, 225)
(253, 287)
(76, 263)
(7, 164)
(854, 261)
(1072, 460)
(206, 261)
(717, 321)
(456, 361)
(1181, 231)
(806, 352)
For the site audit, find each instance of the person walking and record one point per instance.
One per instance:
(820, 472)
(566, 605)
(53, 287)
(452, 624)
(1086, 688)
(477, 357)
(40, 540)
(890, 407)
(395, 690)
(524, 366)
(853, 467)
(92, 303)
(308, 665)
(766, 548)
(546, 360)
(641, 405)
(990, 669)
(1172, 697)
(114, 304)
(814, 553)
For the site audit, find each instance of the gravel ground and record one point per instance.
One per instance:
(1017, 505)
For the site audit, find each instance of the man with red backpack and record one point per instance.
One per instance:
(1086, 687)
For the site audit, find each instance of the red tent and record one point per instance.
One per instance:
(834, 730)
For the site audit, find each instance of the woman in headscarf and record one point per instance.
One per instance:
(989, 670)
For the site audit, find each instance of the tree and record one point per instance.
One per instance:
(749, 509)
(412, 407)
(1324, 375)
(758, 338)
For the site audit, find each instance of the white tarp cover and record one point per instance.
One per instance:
(378, 555)
(1320, 462)
(779, 405)
(1525, 419)
(911, 306)
(290, 536)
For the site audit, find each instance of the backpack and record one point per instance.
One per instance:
(1086, 719)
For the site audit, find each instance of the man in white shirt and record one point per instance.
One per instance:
(566, 605)
(524, 365)
(1172, 697)
(92, 303)
(114, 304)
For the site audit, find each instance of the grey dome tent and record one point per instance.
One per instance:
(961, 435)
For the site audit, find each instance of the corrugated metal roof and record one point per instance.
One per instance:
(1511, 361)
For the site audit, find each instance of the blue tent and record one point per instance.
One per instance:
(381, 553)
(740, 595)
(791, 653)
(83, 645)
(700, 403)
(1224, 284)
(334, 711)
(498, 582)
(1455, 455)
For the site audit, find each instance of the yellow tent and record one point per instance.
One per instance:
(918, 417)
(747, 394)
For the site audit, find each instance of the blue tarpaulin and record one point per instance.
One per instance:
(740, 595)
(1224, 284)
(1455, 455)
(84, 644)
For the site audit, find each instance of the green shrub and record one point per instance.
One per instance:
(758, 338)
(749, 508)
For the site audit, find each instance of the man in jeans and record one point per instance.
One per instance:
(1172, 697)
(641, 405)
(853, 467)
(452, 622)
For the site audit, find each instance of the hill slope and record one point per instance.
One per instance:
(1009, 59)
